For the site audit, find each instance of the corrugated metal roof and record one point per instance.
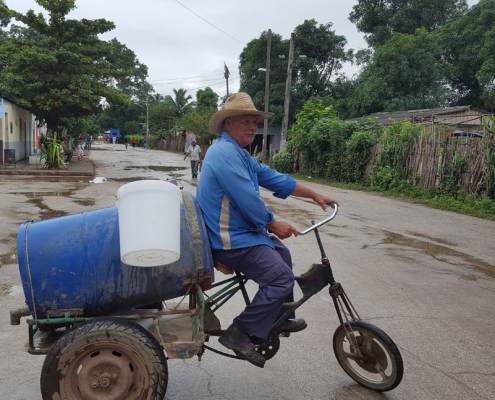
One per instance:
(386, 118)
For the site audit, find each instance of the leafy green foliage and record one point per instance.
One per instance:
(207, 99)
(488, 149)
(51, 153)
(325, 55)
(358, 153)
(181, 102)
(452, 167)
(331, 148)
(379, 20)
(58, 68)
(404, 74)
(468, 44)
(390, 167)
(282, 162)
(312, 76)
(251, 59)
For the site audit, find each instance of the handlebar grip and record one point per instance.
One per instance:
(323, 222)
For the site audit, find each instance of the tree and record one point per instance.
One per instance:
(197, 119)
(469, 55)
(67, 71)
(379, 20)
(405, 74)
(325, 54)
(207, 99)
(181, 102)
(161, 117)
(252, 58)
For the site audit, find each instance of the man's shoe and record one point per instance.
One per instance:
(291, 326)
(235, 340)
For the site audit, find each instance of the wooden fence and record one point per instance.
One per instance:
(432, 155)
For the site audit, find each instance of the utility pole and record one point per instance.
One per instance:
(147, 121)
(226, 75)
(267, 94)
(288, 83)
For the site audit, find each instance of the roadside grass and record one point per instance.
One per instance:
(476, 206)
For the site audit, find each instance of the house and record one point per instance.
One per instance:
(460, 118)
(273, 139)
(19, 133)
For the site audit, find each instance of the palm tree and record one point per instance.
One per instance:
(181, 103)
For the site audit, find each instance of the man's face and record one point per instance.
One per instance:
(242, 128)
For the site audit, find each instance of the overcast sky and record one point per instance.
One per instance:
(185, 43)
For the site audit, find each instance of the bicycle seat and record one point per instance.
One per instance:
(223, 268)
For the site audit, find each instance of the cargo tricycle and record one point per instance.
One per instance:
(107, 328)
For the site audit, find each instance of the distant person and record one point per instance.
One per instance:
(80, 152)
(133, 143)
(114, 140)
(145, 145)
(66, 151)
(126, 142)
(88, 141)
(194, 151)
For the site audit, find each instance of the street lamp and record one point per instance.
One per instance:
(267, 87)
(288, 83)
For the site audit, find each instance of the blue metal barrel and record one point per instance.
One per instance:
(73, 262)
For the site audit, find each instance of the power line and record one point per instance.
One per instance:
(205, 86)
(183, 79)
(199, 16)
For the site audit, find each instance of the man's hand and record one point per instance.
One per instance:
(282, 230)
(323, 201)
(304, 191)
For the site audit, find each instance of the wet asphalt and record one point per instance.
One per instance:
(426, 277)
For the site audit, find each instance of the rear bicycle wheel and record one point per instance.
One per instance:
(105, 359)
(380, 366)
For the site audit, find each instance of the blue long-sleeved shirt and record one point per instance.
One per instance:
(228, 194)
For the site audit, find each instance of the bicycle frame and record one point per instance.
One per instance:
(311, 282)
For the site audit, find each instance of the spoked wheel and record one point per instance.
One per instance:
(105, 359)
(380, 365)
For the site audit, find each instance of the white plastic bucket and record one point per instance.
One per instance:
(149, 223)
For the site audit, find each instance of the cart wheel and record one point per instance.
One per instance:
(380, 367)
(106, 359)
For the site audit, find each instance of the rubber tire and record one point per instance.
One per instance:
(380, 338)
(147, 368)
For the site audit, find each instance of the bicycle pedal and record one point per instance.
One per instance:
(284, 334)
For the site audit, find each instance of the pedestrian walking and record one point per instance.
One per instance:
(194, 151)
(145, 145)
(133, 143)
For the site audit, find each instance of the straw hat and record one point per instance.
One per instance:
(237, 104)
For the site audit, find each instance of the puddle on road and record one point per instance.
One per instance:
(160, 168)
(8, 239)
(8, 258)
(438, 250)
(5, 289)
(85, 202)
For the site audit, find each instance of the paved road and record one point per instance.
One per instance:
(424, 276)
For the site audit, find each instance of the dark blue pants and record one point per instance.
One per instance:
(271, 269)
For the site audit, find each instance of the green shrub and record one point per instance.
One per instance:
(51, 152)
(282, 162)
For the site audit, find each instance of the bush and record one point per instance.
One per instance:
(282, 162)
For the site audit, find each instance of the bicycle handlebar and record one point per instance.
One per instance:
(318, 224)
